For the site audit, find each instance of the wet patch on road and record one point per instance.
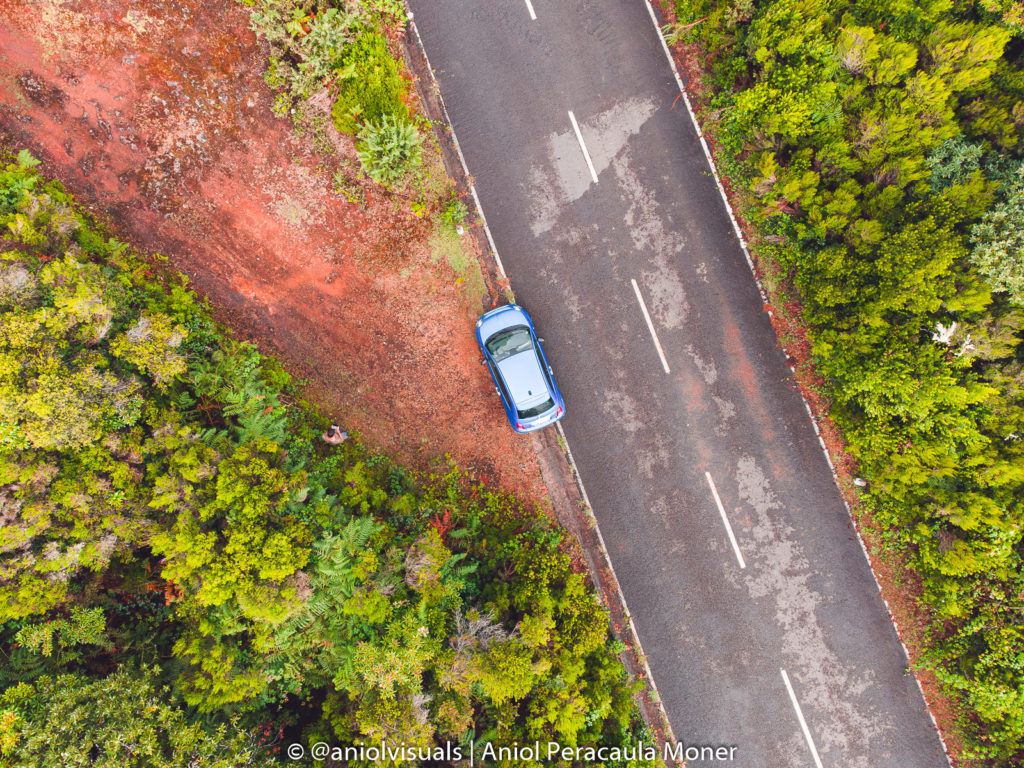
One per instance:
(564, 177)
(843, 727)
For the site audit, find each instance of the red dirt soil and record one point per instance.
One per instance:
(155, 114)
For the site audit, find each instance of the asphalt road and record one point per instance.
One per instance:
(718, 637)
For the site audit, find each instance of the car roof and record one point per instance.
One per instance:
(525, 379)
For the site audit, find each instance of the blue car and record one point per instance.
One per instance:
(522, 376)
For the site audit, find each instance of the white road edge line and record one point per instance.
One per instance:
(800, 717)
(650, 325)
(487, 229)
(725, 519)
(529, 6)
(764, 297)
(579, 138)
(704, 146)
(458, 147)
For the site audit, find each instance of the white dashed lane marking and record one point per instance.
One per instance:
(583, 146)
(529, 7)
(650, 325)
(800, 717)
(725, 519)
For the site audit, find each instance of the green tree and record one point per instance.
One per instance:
(999, 242)
(57, 390)
(151, 345)
(121, 721)
(351, 594)
(233, 536)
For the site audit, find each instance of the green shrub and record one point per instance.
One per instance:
(371, 85)
(305, 48)
(455, 212)
(999, 243)
(389, 149)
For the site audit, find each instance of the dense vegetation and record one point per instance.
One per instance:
(341, 46)
(189, 575)
(876, 148)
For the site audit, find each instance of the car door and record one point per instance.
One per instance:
(544, 364)
(499, 384)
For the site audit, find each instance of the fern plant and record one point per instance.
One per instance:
(317, 644)
(232, 377)
(14, 182)
(389, 149)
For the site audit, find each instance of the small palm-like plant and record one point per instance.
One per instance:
(389, 149)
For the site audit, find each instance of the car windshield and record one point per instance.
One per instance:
(537, 410)
(512, 341)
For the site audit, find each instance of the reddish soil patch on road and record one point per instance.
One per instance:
(156, 115)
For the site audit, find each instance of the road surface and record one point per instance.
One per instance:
(760, 618)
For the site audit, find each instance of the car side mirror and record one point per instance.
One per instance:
(483, 361)
(540, 339)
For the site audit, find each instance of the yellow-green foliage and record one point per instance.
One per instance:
(234, 536)
(165, 499)
(124, 720)
(371, 85)
(213, 674)
(506, 671)
(72, 391)
(84, 627)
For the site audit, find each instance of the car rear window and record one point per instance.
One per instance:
(537, 410)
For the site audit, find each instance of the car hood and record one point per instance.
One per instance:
(525, 379)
